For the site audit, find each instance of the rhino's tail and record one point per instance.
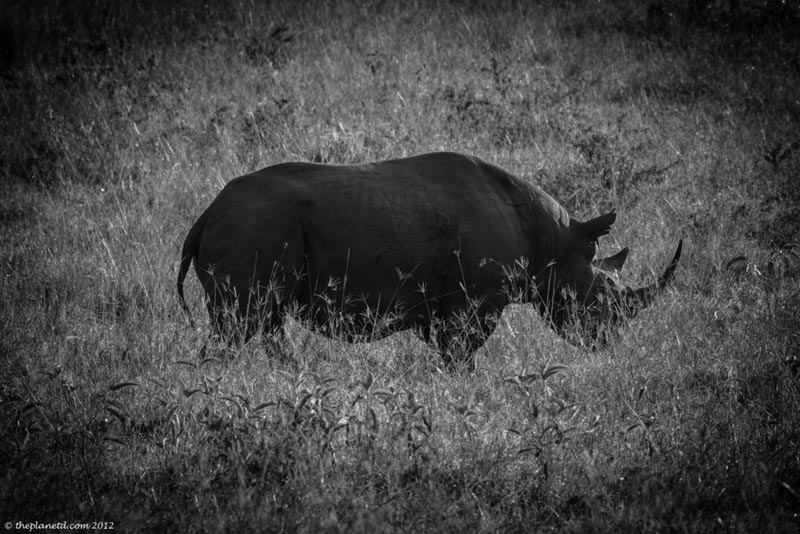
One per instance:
(190, 248)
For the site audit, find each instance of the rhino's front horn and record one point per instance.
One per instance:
(644, 296)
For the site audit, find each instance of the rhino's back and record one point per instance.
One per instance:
(397, 200)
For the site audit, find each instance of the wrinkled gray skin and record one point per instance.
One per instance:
(428, 243)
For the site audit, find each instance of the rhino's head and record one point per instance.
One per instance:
(585, 301)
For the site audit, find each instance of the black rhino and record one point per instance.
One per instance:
(439, 243)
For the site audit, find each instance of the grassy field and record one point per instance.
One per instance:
(121, 122)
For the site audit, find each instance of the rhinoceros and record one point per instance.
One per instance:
(439, 243)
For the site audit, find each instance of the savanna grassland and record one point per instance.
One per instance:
(122, 120)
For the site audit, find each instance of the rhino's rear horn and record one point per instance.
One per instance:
(644, 296)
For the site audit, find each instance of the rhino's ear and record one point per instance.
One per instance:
(599, 226)
(613, 263)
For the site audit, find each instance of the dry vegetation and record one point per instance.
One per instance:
(122, 120)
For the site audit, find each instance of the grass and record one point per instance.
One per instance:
(123, 121)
